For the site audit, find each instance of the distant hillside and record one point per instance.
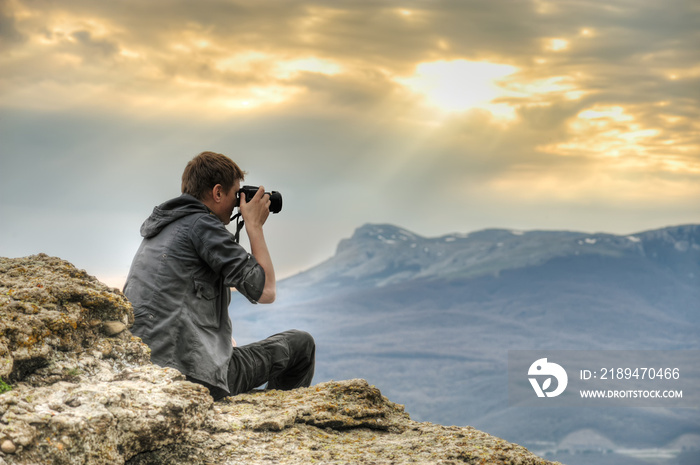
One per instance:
(380, 255)
(430, 320)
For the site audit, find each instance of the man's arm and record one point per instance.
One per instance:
(255, 213)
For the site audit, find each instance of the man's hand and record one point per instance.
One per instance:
(256, 210)
(255, 213)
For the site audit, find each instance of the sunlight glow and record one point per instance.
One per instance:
(256, 97)
(557, 45)
(544, 7)
(129, 53)
(459, 85)
(564, 85)
(615, 113)
(242, 62)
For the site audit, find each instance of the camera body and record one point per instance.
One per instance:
(250, 191)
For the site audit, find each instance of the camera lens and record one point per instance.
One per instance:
(275, 197)
(275, 202)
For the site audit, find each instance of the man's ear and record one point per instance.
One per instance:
(217, 193)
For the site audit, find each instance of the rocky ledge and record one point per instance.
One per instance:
(78, 388)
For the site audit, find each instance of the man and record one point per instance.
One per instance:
(180, 279)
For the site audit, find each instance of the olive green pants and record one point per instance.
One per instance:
(283, 361)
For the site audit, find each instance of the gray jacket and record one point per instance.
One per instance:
(179, 286)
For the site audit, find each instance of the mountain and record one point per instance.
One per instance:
(430, 320)
(381, 255)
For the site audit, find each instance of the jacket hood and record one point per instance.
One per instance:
(170, 211)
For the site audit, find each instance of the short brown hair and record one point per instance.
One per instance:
(208, 169)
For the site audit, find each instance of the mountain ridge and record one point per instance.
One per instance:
(381, 254)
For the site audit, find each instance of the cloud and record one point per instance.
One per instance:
(439, 114)
(94, 48)
(9, 34)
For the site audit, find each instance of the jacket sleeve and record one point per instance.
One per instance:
(216, 246)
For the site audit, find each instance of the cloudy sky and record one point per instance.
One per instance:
(437, 116)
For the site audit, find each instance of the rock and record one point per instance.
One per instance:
(112, 328)
(79, 397)
(84, 392)
(8, 447)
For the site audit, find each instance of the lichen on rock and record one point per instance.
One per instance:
(84, 392)
(52, 314)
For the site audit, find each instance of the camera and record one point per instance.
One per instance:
(250, 191)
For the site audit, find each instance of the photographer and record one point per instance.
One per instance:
(180, 279)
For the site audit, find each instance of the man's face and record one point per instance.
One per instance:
(228, 203)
